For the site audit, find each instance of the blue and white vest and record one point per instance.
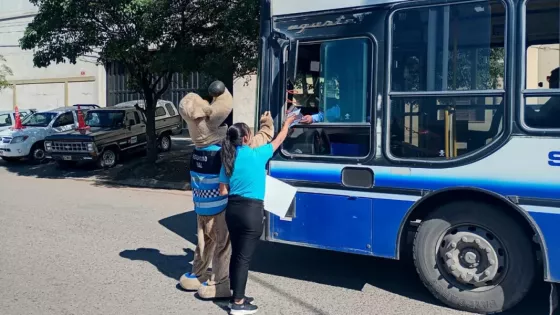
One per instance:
(205, 181)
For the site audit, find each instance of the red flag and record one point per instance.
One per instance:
(81, 121)
(18, 124)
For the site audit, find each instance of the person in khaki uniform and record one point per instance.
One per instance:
(206, 128)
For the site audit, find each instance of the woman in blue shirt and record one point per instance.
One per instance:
(242, 177)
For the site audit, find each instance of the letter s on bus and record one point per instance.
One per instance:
(554, 158)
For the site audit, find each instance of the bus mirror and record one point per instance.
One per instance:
(292, 60)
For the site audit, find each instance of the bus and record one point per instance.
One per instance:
(430, 130)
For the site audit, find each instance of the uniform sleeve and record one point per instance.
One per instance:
(264, 153)
(223, 177)
(319, 117)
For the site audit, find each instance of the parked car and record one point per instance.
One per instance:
(29, 141)
(110, 132)
(165, 110)
(8, 118)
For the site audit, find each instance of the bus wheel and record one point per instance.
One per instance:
(473, 257)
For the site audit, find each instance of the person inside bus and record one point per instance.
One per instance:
(242, 177)
(547, 116)
(332, 113)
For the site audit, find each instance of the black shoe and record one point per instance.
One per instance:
(248, 300)
(243, 309)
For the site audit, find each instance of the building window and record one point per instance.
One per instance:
(331, 90)
(542, 97)
(447, 86)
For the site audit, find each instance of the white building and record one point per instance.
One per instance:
(45, 88)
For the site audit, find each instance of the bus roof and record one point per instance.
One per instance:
(285, 7)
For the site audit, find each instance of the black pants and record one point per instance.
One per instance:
(244, 218)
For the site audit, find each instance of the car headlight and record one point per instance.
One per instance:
(90, 147)
(48, 146)
(19, 139)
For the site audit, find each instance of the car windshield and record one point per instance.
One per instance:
(39, 119)
(105, 119)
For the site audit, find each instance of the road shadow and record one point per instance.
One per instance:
(171, 166)
(323, 267)
(172, 266)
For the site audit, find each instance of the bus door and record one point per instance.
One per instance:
(332, 88)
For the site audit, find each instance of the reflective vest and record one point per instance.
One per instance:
(205, 181)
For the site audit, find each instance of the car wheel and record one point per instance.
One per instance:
(108, 158)
(474, 257)
(37, 153)
(164, 143)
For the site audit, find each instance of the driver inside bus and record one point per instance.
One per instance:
(332, 113)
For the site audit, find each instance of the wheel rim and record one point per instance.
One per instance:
(38, 154)
(109, 158)
(165, 143)
(472, 258)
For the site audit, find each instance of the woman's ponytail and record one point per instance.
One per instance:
(234, 139)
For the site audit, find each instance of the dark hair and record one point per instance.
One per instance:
(233, 140)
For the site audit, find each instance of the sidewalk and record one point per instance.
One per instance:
(171, 170)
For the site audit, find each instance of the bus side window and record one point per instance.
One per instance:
(542, 63)
(331, 91)
(471, 57)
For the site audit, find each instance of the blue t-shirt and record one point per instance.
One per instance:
(248, 177)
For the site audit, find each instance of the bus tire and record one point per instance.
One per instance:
(473, 257)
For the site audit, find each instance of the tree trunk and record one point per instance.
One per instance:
(151, 126)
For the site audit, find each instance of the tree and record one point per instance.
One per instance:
(152, 38)
(4, 72)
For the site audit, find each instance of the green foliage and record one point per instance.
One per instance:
(4, 72)
(151, 38)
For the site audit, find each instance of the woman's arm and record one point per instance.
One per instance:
(224, 189)
(276, 143)
(266, 132)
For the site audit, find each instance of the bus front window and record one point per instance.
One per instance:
(542, 63)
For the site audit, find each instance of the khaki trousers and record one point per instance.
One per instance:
(213, 247)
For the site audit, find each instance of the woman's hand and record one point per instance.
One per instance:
(283, 133)
(289, 121)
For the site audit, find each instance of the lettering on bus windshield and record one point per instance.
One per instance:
(342, 20)
(554, 158)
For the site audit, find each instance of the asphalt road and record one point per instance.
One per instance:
(75, 247)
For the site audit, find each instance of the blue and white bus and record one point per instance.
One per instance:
(432, 127)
